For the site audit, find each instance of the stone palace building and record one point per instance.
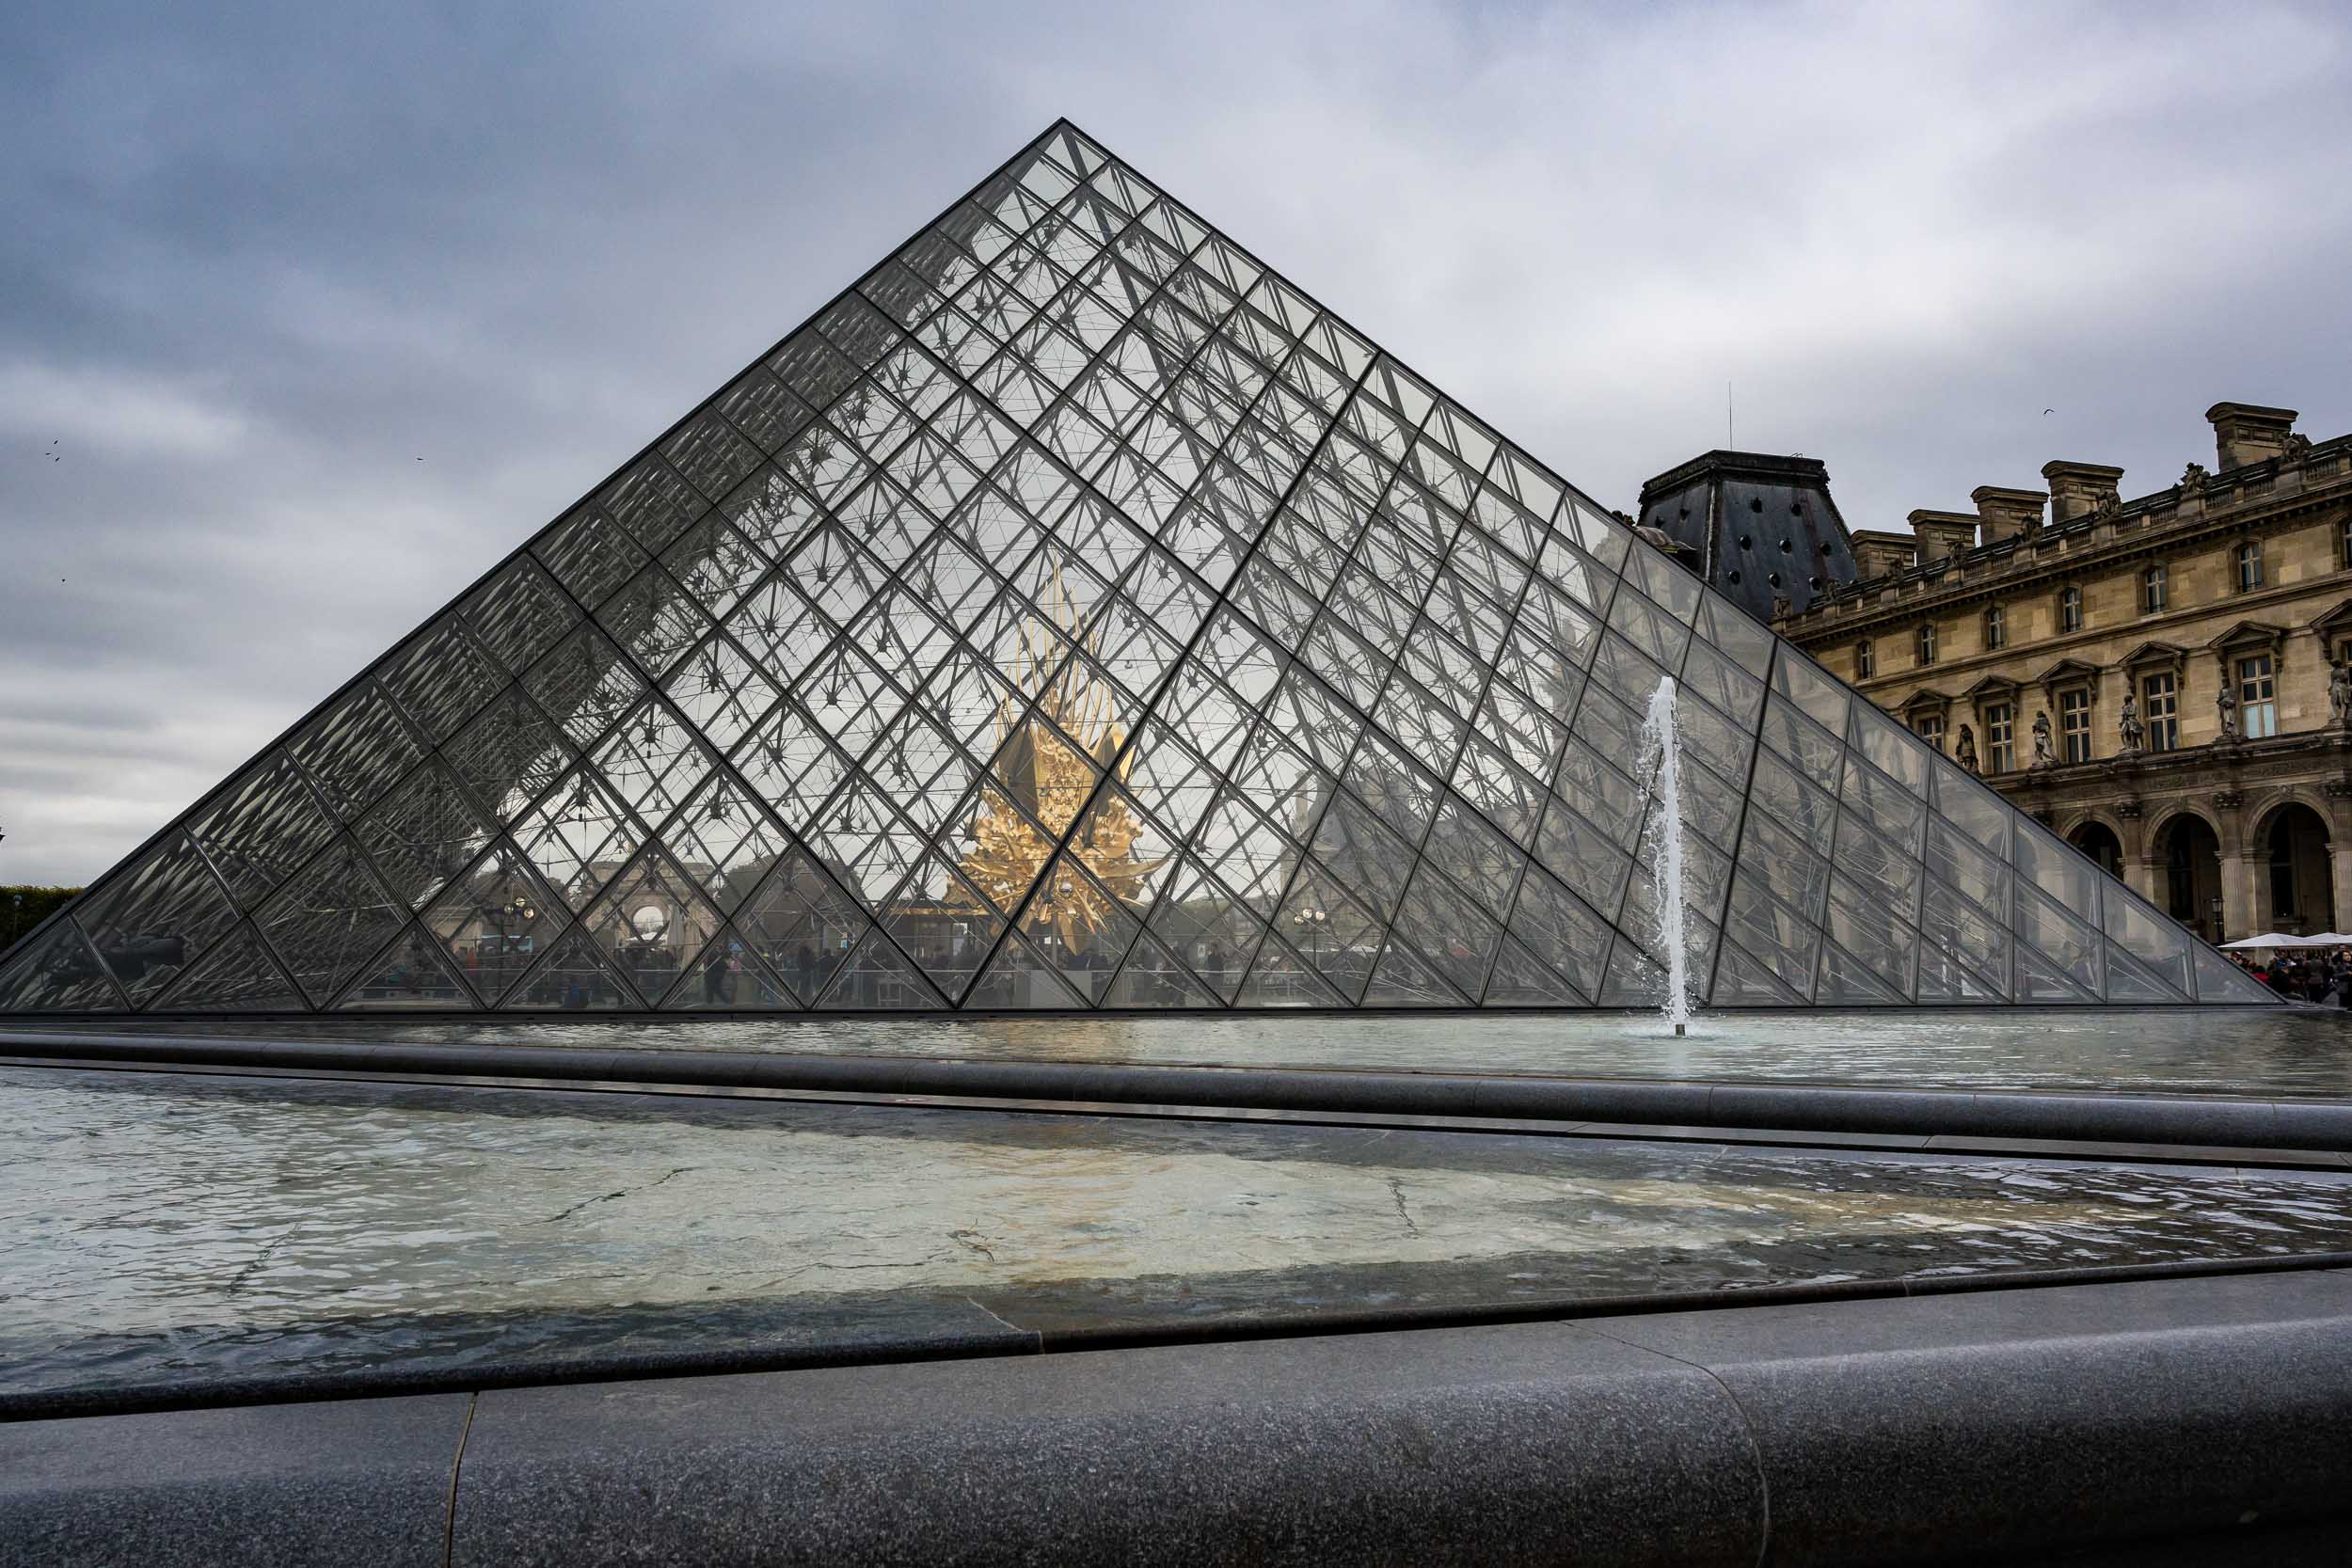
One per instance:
(2164, 680)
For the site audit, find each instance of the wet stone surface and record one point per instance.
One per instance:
(2298, 1051)
(162, 1227)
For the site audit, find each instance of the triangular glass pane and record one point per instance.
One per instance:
(1281, 978)
(493, 919)
(729, 974)
(59, 973)
(1522, 980)
(878, 979)
(1152, 978)
(1019, 979)
(412, 973)
(2220, 980)
(2041, 980)
(650, 923)
(423, 833)
(1745, 981)
(2129, 980)
(574, 977)
(152, 923)
(802, 923)
(1845, 981)
(726, 840)
(1403, 979)
(2156, 941)
(267, 825)
(941, 922)
(237, 977)
(331, 919)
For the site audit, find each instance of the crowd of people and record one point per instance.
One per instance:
(2319, 975)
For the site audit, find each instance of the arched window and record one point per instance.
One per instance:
(1996, 627)
(1924, 643)
(1865, 660)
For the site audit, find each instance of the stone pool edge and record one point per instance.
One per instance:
(2194, 1420)
(2206, 1121)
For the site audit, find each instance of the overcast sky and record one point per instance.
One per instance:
(257, 262)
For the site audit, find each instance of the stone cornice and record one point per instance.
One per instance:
(2151, 526)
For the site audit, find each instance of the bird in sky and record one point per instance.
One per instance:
(2046, 412)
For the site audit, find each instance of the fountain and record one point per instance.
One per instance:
(1660, 741)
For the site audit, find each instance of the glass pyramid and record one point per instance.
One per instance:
(1074, 614)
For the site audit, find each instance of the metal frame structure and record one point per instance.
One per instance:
(1071, 615)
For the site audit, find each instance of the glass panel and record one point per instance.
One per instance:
(443, 679)
(491, 921)
(355, 751)
(59, 973)
(509, 755)
(330, 920)
(802, 924)
(574, 977)
(150, 923)
(238, 976)
(1153, 978)
(729, 975)
(878, 977)
(411, 973)
(266, 825)
(423, 833)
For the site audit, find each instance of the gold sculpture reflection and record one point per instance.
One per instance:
(1049, 778)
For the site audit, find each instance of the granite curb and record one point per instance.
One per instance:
(2170, 1421)
(2124, 1119)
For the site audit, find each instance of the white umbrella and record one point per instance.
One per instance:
(2268, 939)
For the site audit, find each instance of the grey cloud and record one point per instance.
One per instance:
(263, 258)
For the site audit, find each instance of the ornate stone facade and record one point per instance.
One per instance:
(2185, 652)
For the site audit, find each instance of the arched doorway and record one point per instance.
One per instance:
(2300, 892)
(2192, 874)
(2098, 841)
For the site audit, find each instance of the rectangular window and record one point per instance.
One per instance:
(2250, 566)
(2160, 711)
(2153, 590)
(2001, 739)
(1996, 627)
(2075, 725)
(2070, 609)
(1925, 642)
(2257, 697)
(1865, 662)
(1929, 728)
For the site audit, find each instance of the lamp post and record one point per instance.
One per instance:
(1312, 918)
(519, 908)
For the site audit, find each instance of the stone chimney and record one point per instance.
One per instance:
(2247, 433)
(2008, 513)
(1878, 552)
(2079, 489)
(1943, 534)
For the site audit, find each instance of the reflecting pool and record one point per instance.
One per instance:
(2268, 1051)
(168, 1227)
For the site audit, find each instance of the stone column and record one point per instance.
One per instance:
(2237, 898)
(2242, 913)
(2144, 875)
(2340, 848)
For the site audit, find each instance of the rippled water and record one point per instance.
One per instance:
(2284, 1051)
(163, 1226)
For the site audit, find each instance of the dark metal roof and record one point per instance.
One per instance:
(1759, 525)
